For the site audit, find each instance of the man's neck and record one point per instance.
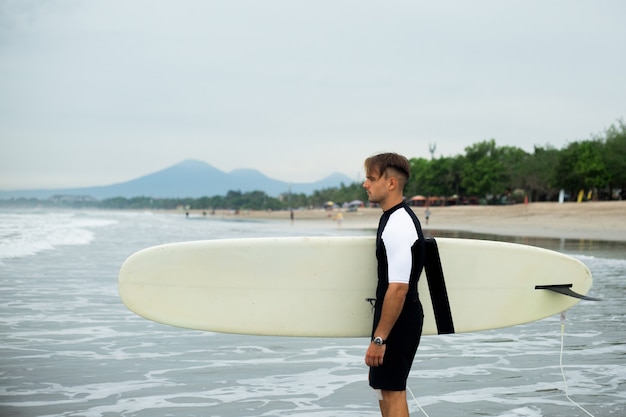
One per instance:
(391, 202)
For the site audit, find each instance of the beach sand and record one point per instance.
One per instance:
(588, 220)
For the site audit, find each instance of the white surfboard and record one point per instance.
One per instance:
(319, 286)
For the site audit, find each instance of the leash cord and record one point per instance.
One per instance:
(563, 371)
(416, 402)
(560, 365)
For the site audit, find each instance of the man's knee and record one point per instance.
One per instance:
(394, 404)
(393, 396)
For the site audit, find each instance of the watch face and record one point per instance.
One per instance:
(378, 340)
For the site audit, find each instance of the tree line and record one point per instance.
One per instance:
(233, 200)
(494, 174)
(486, 173)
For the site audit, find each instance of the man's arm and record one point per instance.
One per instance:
(392, 307)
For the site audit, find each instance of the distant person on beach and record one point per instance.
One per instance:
(339, 219)
(427, 214)
(398, 314)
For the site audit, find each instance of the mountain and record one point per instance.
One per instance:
(189, 178)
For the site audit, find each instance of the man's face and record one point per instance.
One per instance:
(376, 186)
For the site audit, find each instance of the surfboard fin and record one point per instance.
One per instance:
(566, 289)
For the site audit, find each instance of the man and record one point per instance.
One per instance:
(398, 315)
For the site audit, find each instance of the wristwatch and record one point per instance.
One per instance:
(378, 341)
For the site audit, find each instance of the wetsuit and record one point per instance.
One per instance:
(400, 254)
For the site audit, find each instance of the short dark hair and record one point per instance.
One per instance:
(382, 162)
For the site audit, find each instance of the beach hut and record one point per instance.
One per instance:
(435, 201)
(418, 201)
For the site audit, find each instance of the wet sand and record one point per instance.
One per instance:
(588, 220)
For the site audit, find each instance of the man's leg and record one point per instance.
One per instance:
(394, 404)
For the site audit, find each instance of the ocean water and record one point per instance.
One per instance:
(68, 346)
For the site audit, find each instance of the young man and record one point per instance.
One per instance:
(398, 315)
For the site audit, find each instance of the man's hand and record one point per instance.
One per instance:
(375, 354)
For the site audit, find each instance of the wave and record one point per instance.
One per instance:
(30, 232)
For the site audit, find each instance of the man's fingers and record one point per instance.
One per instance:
(373, 361)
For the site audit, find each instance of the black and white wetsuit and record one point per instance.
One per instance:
(400, 253)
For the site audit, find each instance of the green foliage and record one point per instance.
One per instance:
(614, 155)
(233, 200)
(440, 177)
(343, 194)
(581, 166)
(505, 174)
(484, 171)
(538, 174)
(420, 177)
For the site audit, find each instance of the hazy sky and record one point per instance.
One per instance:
(98, 92)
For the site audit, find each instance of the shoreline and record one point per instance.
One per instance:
(604, 220)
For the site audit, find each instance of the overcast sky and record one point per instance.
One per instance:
(99, 92)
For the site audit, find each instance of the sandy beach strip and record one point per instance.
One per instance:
(588, 220)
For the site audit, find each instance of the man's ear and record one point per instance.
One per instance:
(393, 183)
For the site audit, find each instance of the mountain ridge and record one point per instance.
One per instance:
(190, 178)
